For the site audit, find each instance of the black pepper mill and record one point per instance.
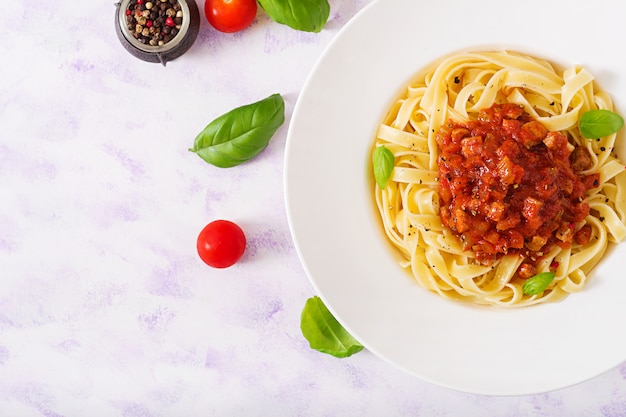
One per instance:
(157, 30)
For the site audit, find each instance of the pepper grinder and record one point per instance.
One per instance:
(157, 30)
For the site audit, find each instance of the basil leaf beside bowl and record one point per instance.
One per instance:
(305, 15)
(241, 134)
(324, 332)
(599, 123)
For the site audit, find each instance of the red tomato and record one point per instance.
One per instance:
(221, 243)
(230, 15)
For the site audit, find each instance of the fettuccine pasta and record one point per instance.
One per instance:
(457, 89)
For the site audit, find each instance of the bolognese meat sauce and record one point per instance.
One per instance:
(508, 185)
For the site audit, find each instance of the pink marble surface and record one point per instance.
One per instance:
(105, 308)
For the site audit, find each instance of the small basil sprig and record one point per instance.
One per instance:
(599, 123)
(241, 134)
(535, 285)
(305, 15)
(383, 162)
(324, 332)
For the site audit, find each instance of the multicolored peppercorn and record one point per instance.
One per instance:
(154, 22)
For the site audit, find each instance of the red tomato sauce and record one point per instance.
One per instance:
(509, 186)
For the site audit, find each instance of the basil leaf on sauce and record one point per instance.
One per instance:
(304, 15)
(535, 285)
(599, 123)
(383, 163)
(241, 134)
(324, 333)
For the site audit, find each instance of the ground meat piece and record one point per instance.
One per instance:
(580, 159)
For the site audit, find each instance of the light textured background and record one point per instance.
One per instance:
(105, 309)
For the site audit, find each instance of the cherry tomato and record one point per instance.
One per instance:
(221, 244)
(230, 15)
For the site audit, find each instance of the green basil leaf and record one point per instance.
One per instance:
(305, 15)
(241, 134)
(599, 123)
(383, 163)
(535, 285)
(324, 332)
